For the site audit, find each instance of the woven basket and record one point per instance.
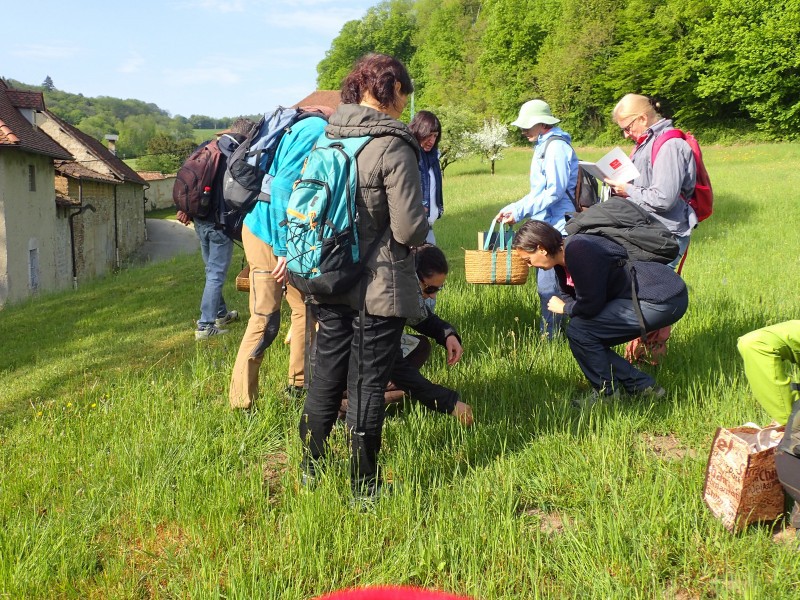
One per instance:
(243, 279)
(479, 268)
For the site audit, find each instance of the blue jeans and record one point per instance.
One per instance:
(591, 341)
(217, 250)
(547, 284)
(683, 243)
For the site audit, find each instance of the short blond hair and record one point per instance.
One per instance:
(632, 105)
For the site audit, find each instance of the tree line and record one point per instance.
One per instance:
(159, 140)
(727, 69)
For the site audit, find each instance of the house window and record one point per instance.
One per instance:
(32, 178)
(33, 258)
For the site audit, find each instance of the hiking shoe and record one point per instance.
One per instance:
(588, 400)
(207, 332)
(294, 392)
(367, 498)
(794, 517)
(233, 315)
(308, 481)
(653, 392)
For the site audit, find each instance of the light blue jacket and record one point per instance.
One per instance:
(553, 181)
(266, 218)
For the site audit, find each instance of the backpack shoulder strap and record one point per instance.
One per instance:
(553, 137)
(573, 199)
(669, 134)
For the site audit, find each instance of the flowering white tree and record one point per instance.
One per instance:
(490, 140)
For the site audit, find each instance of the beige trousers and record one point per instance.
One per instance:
(262, 328)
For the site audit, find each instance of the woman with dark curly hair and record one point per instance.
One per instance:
(350, 354)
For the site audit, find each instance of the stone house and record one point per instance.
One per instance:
(29, 243)
(87, 215)
(159, 194)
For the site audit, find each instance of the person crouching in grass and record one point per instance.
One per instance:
(594, 278)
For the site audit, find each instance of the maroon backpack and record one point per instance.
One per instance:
(702, 198)
(194, 183)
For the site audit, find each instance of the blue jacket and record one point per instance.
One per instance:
(553, 181)
(265, 220)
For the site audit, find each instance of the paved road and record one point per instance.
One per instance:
(167, 238)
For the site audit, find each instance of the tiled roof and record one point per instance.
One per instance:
(117, 166)
(71, 168)
(329, 98)
(153, 175)
(17, 132)
(26, 99)
(62, 200)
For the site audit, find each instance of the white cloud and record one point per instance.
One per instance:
(47, 51)
(133, 64)
(220, 6)
(327, 22)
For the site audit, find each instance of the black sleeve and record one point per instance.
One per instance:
(436, 328)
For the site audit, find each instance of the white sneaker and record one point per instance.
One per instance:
(233, 315)
(207, 332)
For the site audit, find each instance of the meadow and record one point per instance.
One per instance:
(124, 474)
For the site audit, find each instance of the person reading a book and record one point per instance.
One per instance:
(553, 179)
(660, 188)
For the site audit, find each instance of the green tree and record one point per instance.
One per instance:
(387, 28)
(515, 30)
(455, 142)
(444, 65)
(746, 60)
(47, 84)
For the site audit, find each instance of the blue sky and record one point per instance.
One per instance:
(217, 58)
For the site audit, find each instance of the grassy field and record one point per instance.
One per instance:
(125, 474)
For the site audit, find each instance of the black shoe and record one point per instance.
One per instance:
(368, 496)
(294, 392)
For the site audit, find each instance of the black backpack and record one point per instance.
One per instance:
(194, 183)
(618, 219)
(587, 188)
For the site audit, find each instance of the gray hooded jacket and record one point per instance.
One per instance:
(389, 192)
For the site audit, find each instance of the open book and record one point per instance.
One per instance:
(614, 165)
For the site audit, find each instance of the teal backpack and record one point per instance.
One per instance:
(322, 253)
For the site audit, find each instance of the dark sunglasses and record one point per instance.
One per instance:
(431, 289)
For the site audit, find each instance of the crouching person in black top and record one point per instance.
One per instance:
(594, 277)
(406, 379)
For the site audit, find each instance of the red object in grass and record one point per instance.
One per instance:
(390, 593)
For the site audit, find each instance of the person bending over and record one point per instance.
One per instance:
(594, 278)
(432, 269)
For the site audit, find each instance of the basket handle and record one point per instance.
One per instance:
(502, 235)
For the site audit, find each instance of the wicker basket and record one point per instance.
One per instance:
(243, 279)
(486, 266)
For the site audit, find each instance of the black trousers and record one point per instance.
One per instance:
(406, 376)
(336, 369)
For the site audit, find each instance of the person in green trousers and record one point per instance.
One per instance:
(767, 354)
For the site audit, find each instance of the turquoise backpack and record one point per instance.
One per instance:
(322, 253)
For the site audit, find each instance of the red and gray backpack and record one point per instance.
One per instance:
(702, 198)
(195, 181)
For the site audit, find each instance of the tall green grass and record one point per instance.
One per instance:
(124, 474)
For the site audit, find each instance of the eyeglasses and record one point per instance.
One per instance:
(430, 289)
(627, 129)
